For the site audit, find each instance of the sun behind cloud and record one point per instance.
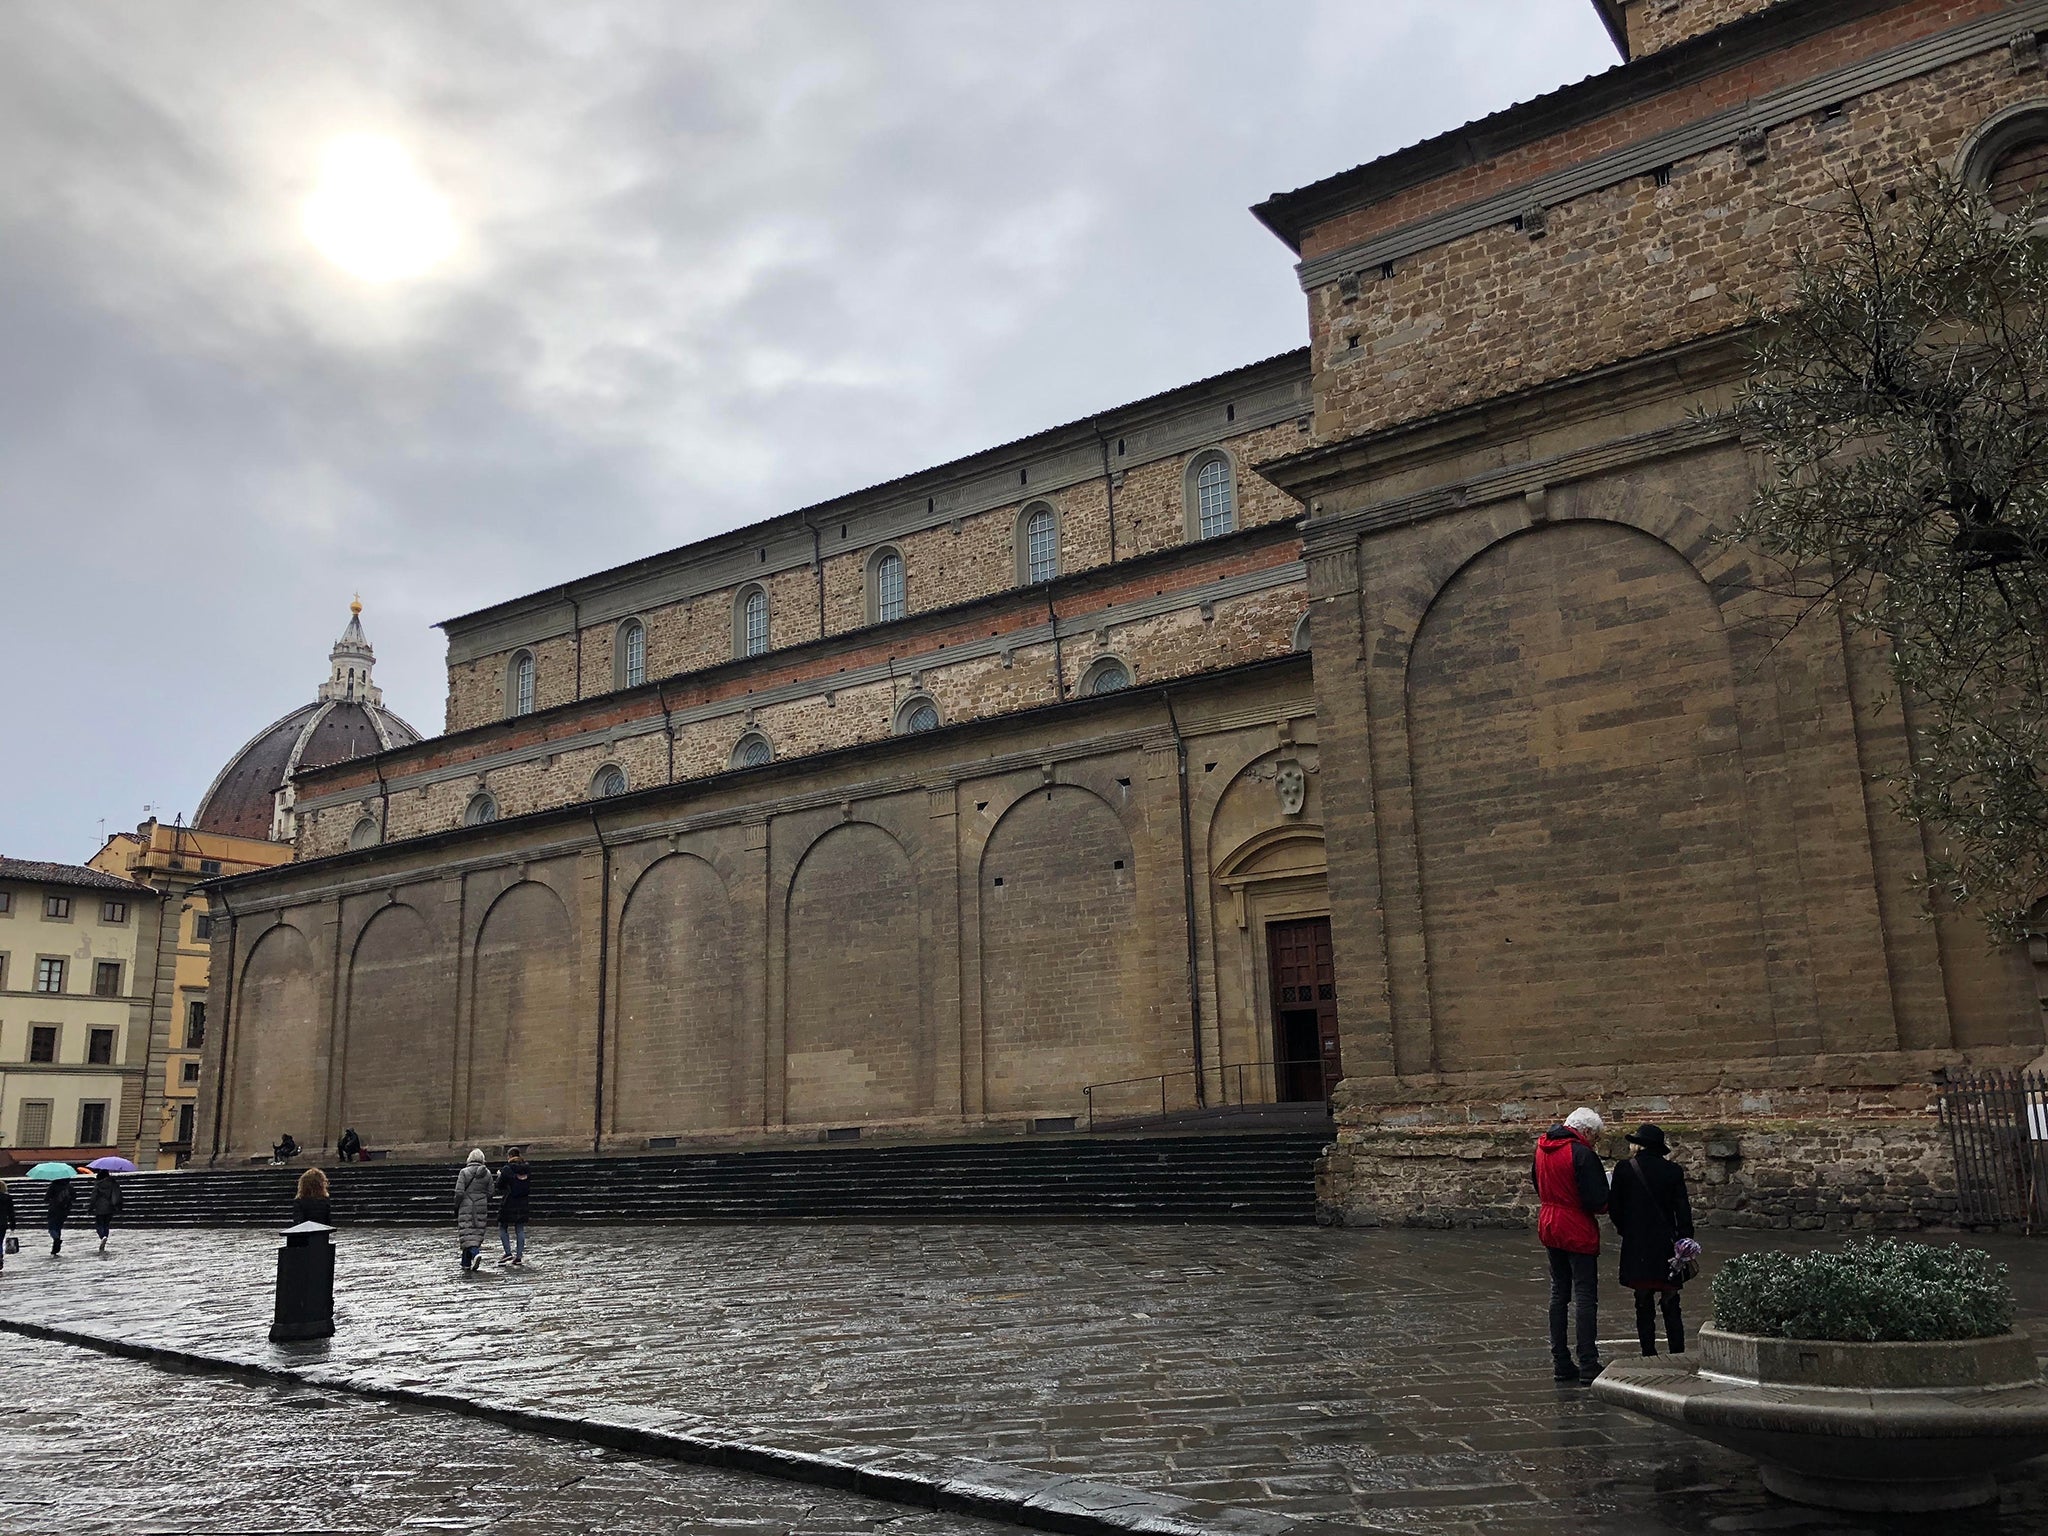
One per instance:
(373, 213)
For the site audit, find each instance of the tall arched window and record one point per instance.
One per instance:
(519, 684)
(481, 808)
(750, 622)
(1211, 495)
(888, 589)
(1038, 544)
(2007, 159)
(630, 668)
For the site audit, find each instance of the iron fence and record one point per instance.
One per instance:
(1998, 1130)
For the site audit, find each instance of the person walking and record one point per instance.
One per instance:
(1571, 1183)
(1650, 1210)
(472, 1208)
(311, 1202)
(515, 1180)
(106, 1205)
(59, 1195)
(6, 1220)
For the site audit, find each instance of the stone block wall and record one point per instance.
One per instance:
(1654, 25)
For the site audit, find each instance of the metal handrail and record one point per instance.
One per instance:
(1239, 1068)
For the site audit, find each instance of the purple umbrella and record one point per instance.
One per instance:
(111, 1165)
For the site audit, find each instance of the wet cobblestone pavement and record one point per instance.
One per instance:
(1386, 1379)
(91, 1444)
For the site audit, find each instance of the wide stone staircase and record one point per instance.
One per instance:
(1245, 1176)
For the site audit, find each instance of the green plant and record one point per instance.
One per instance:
(1874, 1290)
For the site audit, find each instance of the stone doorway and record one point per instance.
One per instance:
(1303, 972)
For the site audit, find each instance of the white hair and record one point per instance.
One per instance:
(1584, 1121)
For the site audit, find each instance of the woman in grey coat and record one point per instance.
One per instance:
(473, 1208)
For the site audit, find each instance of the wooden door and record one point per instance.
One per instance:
(1304, 980)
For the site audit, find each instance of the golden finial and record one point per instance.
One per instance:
(356, 607)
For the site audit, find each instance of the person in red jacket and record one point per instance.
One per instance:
(1571, 1182)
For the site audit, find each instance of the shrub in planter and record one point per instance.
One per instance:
(1874, 1290)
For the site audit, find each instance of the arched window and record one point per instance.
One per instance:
(1211, 495)
(519, 684)
(1106, 674)
(918, 714)
(1038, 544)
(629, 668)
(364, 833)
(608, 781)
(750, 621)
(2008, 158)
(481, 808)
(752, 751)
(888, 589)
(1301, 633)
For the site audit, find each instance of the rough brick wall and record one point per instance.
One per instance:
(1624, 270)
(529, 1074)
(1654, 25)
(1579, 806)
(281, 1046)
(678, 1006)
(401, 1011)
(856, 1043)
(1062, 981)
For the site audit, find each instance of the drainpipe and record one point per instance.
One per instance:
(668, 725)
(604, 934)
(227, 1012)
(1187, 879)
(576, 623)
(1059, 666)
(1108, 490)
(818, 571)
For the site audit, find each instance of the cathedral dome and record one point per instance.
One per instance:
(252, 796)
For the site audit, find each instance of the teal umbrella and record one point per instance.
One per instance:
(53, 1171)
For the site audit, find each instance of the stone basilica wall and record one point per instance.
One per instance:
(953, 930)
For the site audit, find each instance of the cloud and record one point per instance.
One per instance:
(710, 262)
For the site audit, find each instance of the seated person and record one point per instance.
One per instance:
(285, 1150)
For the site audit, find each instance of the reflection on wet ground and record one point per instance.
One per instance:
(1391, 1379)
(91, 1444)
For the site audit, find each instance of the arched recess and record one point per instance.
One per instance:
(400, 1046)
(281, 1045)
(855, 1045)
(529, 1079)
(1589, 892)
(1065, 996)
(678, 1002)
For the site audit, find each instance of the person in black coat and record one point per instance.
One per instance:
(6, 1219)
(60, 1195)
(106, 1205)
(1650, 1210)
(515, 1183)
(351, 1148)
(311, 1202)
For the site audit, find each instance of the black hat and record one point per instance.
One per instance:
(1649, 1137)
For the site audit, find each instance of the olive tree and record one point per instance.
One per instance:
(1900, 384)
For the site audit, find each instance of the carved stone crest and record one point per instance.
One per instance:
(1290, 785)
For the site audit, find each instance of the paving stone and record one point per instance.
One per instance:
(1383, 1379)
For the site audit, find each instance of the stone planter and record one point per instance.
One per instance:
(1878, 1427)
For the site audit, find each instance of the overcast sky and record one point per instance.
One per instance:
(704, 263)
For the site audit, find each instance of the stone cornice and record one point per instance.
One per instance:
(1770, 110)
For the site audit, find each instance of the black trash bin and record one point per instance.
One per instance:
(305, 1284)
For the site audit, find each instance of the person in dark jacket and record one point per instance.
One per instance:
(6, 1219)
(515, 1181)
(311, 1202)
(1650, 1210)
(350, 1149)
(1571, 1183)
(59, 1194)
(106, 1205)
